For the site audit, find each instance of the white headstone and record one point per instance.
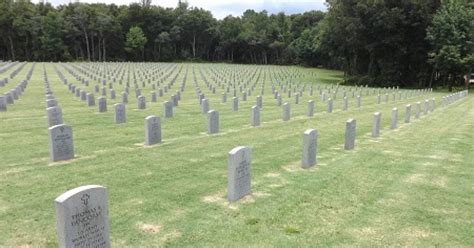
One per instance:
(82, 218)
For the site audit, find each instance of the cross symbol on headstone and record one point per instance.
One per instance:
(85, 199)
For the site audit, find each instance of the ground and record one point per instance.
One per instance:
(412, 186)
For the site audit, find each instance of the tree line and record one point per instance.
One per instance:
(409, 43)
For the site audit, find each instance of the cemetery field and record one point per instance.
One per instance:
(411, 186)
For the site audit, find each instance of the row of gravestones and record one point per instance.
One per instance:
(6, 67)
(14, 94)
(82, 213)
(119, 116)
(60, 136)
(119, 108)
(296, 96)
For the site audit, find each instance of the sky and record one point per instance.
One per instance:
(222, 8)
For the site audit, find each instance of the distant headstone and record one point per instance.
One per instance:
(358, 101)
(286, 111)
(204, 106)
(61, 145)
(9, 97)
(124, 97)
(3, 104)
(55, 116)
(255, 116)
(427, 107)
(120, 114)
(350, 134)
(102, 101)
(83, 95)
(418, 110)
(394, 121)
(345, 103)
(51, 103)
(112, 94)
(235, 104)
(152, 130)
(141, 103)
(329, 103)
(260, 101)
(212, 122)
(90, 100)
(224, 97)
(310, 110)
(407, 113)
(376, 124)
(168, 109)
(239, 173)
(309, 148)
(153, 96)
(82, 218)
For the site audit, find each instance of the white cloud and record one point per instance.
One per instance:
(222, 8)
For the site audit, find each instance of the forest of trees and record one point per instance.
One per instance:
(409, 43)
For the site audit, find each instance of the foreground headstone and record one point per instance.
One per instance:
(350, 134)
(55, 116)
(309, 148)
(394, 121)
(255, 116)
(152, 130)
(212, 122)
(376, 124)
(119, 115)
(61, 145)
(82, 218)
(239, 173)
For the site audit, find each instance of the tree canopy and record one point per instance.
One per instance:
(408, 43)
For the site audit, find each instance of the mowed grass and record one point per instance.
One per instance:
(412, 186)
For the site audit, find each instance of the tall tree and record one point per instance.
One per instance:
(136, 41)
(451, 36)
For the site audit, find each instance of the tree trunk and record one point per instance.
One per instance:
(159, 51)
(431, 78)
(87, 44)
(99, 50)
(104, 52)
(468, 78)
(194, 45)
(12, 48)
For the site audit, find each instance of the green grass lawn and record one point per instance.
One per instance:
(412, 186)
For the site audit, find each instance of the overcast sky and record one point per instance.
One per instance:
(222, 8)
